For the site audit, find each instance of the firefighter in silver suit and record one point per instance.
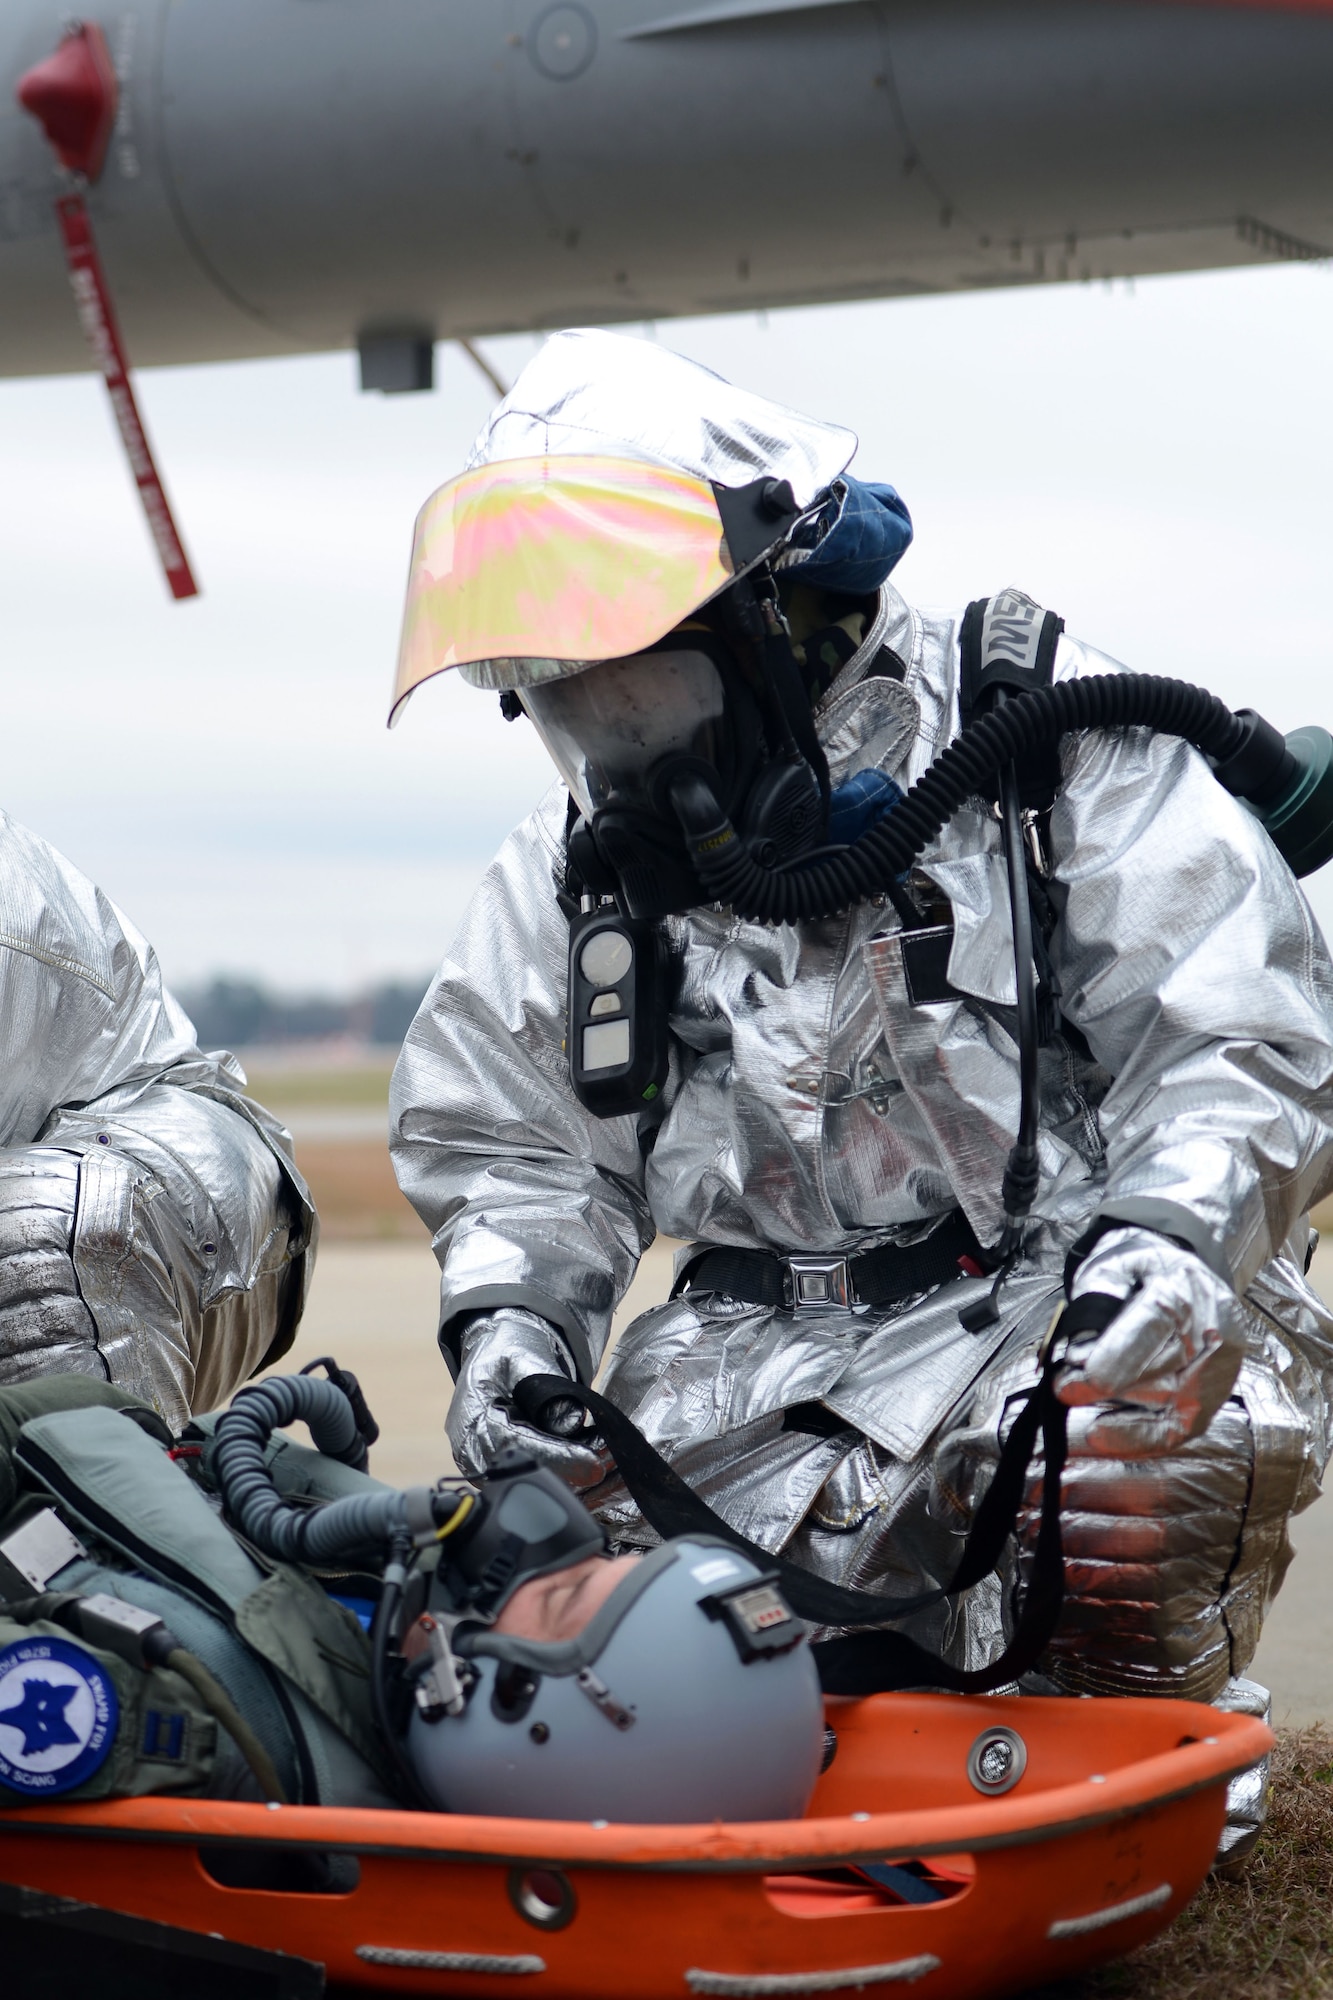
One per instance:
(817, 1108)
(154, 1230)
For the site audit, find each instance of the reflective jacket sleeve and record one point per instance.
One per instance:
(192, 1229)
(530, 1201)
(1191, 961)
(194, 1236)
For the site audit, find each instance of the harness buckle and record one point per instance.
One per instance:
(811, 1283)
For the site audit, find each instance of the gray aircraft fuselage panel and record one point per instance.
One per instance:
(289, 175)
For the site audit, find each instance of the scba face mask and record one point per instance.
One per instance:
(725, 709)
(617, 729)
(607, 730)
(722, 695)
(607, 727)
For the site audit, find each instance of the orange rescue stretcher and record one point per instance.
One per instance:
(1050, 1834)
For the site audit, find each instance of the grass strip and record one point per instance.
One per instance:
(1264, 1934)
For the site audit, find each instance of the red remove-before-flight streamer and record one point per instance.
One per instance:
(99, 323)
(73, 96)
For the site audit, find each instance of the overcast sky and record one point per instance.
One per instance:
(1154, 462)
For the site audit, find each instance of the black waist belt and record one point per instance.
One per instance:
(876, 1278)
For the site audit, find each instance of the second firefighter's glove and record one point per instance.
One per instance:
(1167, 1362)
(497, 1351)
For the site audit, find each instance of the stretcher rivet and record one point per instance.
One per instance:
(996, 1761)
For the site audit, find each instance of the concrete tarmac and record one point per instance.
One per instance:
(373, 1306)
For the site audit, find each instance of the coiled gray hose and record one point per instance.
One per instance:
(319, 1535)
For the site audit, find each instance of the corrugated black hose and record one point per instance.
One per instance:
(390, 1523)
(731, 873)
(1249, 757)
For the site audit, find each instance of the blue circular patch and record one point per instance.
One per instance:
(58, 1716)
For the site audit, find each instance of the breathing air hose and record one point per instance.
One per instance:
(317, 1536)
(1290, 782)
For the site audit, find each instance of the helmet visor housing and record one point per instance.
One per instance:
(607, 727)
(533, 567)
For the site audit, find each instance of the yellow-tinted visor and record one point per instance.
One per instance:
(570, 559)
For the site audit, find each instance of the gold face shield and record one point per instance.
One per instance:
(532, 568)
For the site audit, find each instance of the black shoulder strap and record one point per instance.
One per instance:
(1008, 642)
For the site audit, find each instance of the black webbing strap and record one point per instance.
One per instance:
(879, 1277)
(864, 1662)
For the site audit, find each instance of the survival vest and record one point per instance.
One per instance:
(97, 1504)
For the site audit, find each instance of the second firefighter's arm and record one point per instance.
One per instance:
(531, 1202)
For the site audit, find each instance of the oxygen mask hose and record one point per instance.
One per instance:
(1288, 783)
(316, 1536)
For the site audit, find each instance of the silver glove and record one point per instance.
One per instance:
(1171, 1355)
(45, 1327)
(498, 1349)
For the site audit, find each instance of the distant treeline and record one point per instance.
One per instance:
(239, 1013)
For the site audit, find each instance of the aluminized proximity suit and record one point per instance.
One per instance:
(813, 1109)
(153, 1227)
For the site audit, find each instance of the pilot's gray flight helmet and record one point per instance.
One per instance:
(690, 1696)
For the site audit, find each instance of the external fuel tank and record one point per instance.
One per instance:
(294, 175)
